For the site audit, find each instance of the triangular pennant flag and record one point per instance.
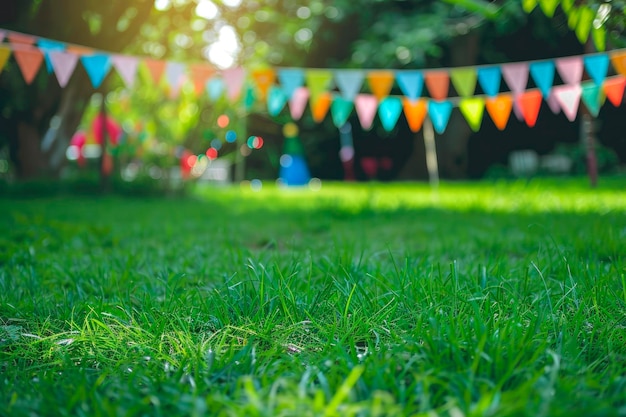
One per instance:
(543, 74)
(464, 80)
(264, 79)
(340, 111)
(529, 103)
(613, 88)
(29, 59)
(568, 96)
(318, 81)
(591, 96)
(473, 109)
(349, 82)
(215, 88)
(439, 112)
(233, 79)
(297, 102)
(276, 100)
(517, 111)
(438, 83)
(489, 80)
(1, 35)
(97, 67)
(156, 68)
(126, 67)
(366, 106)
(5, 53)
(516, 76)
(200, 74)
(79, 50)
(499, 109)
(548, 7)
(618, 60)
(48, 46)
(249, 98)
(290, 79)
(411, 83)
(174, 72)
(415, 112)
(570, 69)
(21, 38)
(553, 103)
(320, 106)
(389, 111)
(380, 83)
(63, 64)
(597, 66)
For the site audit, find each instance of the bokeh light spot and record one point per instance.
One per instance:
(223, 121)
(290, 130)
(217, 144)
(231, 136)
(211, 153)
(286, 161)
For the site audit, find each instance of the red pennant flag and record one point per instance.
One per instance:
(29, 59)
(614, 89)
(21, 39)
(438, 83)
(380, 83)
(530, 103)
(156, 68)
(415, 112)
(200, 74)
(499, 109)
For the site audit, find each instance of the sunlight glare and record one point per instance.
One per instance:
(223, 53)
(161, 4)
(207, 9)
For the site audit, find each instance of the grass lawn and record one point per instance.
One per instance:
(485, 299)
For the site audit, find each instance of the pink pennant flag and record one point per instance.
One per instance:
(233, 79)
(570, 69)
(366, 106)
(1, 35)
(126, 67)
(553, 103)
(298, 101)
(63, 64)
(517, 110)
(568, 97)
(21, 39)
(516, 76)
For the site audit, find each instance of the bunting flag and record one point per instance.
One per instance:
(570, 69)
(29, 60)
(97, 67)
(200, 75)
(568, 97)
(320, 106)
(126, 67)
(380, 83)
(156, 68)
(340, 110)
(21, 39)
(614, 90)
(592, 97)
(411, 83)
(63, 64)
(366, 106)
(597, 67)
(438, 83)
(215, 88)
(415, 113)
(174, 72)
(489, 80)
(233, 80)
(553, 103)
(318, 82)
(548, 7)
(5, 53)
(529, 103)
(46, 47)
(276, 100)
(290, 79)
(618, 60)
(499, 109)
(263, 79)
(440, 112)
(389, 111)
(543, 75)
(349, 82)
(463, 80)
(516, 76)
(1, 35)
(298, 101)
(473, 109)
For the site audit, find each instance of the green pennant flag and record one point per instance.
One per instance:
(318, 82)
(463, 80)
(473, 109)
(340, 110)
(592, 97)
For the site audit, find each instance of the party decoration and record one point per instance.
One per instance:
(174, 72)
(126, 67)
(200, 75)
(5, 53)
(297, 102)
(290, 79)
(415, 113)
(264, 79)
(389, 111)
(233, 80)
(156, 68)
(614, 90)
(215, 88)
(438, 83)
(29, 59)
(516, 76)
(618, 60)
(46, 47)
(543, 75)
(529, 103)
(97, 67)
(320, 106)
(340, 110)
(2, 34)
(592, 97)
(553, 103)
(440, 112)
(473, 109)
(21, 39)
(568, 97)
(548, 7)
(366, 106)
(380, 82)
(489, 80)
(570, 69)
(276, 100)
(318, 82)
(63, 64)
(411, 83)
(463, 80)
(499, 109)
(349, 82)
(597, 67)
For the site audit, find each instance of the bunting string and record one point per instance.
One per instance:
(495, 89)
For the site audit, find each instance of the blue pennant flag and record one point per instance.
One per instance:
(340, 110)
(48, 46)
(97, 67)
(543, 75)
(276, 100)
(591, 97)
(349, 82)
(215, 88)
(489, 79)
(389, 111)
(440, 112)
(411, 83)
(597, 67)
(290, 80)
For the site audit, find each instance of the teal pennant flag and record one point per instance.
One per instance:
(597, 66)
(543, 75)
(349, 82)
(97, 67)
(340, 111)
(48, 46)
(411, 83)
(592, 98)
(290, 79)
(440, 112)
(389, 111)
(489, 80)
(276, 100)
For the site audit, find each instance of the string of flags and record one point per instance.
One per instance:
(476, 89)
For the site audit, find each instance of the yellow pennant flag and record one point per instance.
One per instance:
(380, 83)
(473, 109)
(5, 53)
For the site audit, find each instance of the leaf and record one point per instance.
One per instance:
(529, 5)
(548, 7)
(599, 38)
(567, 5)
(585, 22)
(572, 18)
(482, 7)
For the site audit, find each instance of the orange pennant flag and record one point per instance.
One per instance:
(21, 39)
(5, 53)
(415, 112)
(156, 68)
(618, 60)
(499, 109)
(320, 106)
(613, 88)
(79, 50)
(438, 83)
(264, 79)
(200, 74)
(530, 103)
(380, 83)
(29, 59)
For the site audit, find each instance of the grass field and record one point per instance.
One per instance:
(483, 299)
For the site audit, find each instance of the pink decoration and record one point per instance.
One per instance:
(570, 69)
(568, 97)
(63, 64)
(126, 66)
(78, 139)
(298, 101)
(516, 76)
(113, 130)
(553, 103)
(366, 106)
(233, 79)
